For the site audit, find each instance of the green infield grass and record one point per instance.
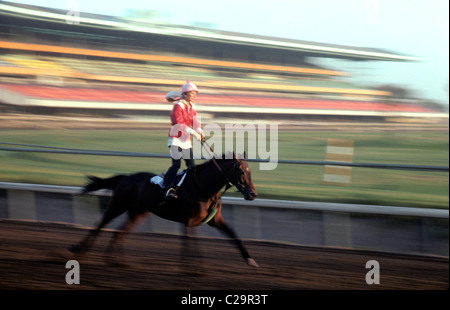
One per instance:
(287, 181)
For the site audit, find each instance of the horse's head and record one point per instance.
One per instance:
(241, 177)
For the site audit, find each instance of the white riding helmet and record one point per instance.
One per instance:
(188, 87)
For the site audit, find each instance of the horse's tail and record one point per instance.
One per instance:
(96, 183)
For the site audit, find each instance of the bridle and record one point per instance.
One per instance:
(213, 208)
(229, 184)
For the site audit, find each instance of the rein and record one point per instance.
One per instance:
(213, 207)
(229, 184)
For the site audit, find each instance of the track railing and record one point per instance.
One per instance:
(18, 147)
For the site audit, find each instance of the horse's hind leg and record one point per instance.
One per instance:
(220, 224)
(84, 245)
(116, 241)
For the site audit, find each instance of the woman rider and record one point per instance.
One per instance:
(185, 124)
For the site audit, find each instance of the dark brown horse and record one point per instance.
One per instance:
(199, 197)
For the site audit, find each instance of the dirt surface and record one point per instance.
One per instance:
(33, 256)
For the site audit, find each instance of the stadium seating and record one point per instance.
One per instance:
(148, 97)
(132, 68)
(123, 78)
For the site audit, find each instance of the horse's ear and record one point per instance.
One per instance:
(245, 155)
(234, 155)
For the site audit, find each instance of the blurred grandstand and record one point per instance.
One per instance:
(118, 66)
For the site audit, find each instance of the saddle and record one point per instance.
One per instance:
(212, 210)
(159, 179)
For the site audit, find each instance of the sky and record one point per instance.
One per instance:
(418, 28)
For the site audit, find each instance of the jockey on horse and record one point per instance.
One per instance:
(184, 124)
(199, 199)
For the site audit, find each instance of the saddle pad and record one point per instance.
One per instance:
(159, 180)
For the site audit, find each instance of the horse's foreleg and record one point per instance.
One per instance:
(220, 224)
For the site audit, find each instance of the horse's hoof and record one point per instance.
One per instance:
(251, 262)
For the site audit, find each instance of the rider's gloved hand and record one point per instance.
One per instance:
(197, 136)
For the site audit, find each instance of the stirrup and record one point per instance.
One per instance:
(171, 193)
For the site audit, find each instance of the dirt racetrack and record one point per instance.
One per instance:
(33, 255)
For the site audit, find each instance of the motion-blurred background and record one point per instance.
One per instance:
(76, 74)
